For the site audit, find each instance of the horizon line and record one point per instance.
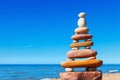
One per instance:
(53, 64)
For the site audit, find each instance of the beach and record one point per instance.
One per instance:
(114, 76)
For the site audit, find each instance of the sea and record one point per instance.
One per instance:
(41, 71)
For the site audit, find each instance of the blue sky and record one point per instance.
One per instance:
(39, 31)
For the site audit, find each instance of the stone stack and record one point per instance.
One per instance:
(81, 49)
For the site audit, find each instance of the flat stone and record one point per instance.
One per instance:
(85, 53)
(81, 36)
(81, 30)
(81, 44)
(87, 75)
(82, 63)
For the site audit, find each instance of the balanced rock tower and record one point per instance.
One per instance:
(81, 49)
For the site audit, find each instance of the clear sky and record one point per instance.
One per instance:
(39, 31)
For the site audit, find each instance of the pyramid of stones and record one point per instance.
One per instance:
(82, 41)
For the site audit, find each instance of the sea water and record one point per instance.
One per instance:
(39, 71)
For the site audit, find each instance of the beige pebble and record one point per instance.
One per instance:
(87, 47)
(82, 21)
(92, 58)
(69, 69)
(75, 48)
(88, 40)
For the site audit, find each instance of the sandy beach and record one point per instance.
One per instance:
(114, 76)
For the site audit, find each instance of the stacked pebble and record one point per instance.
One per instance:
(81, 33)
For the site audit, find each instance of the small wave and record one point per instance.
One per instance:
(46, 79)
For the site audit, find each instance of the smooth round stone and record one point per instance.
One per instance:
(81, 15)
(69, 69)
(75, 48)
(92, 58)
(82, 63)
(88, 40)
(81, 44)
(85, 53)
(81, 36)
(87, 47)
(81, 30)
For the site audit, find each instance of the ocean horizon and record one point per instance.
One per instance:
(40, 71)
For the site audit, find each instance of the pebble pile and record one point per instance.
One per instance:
(82, 42)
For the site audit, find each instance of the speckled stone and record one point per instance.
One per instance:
(85, 53)
(81, 36)
(88, 75)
